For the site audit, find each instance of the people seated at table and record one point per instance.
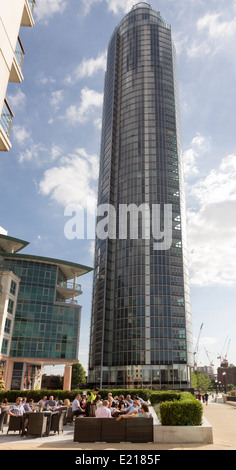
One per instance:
(26, 405)
(135, 413)
(17, 410)
(4, 402)
(129, 400)
(42, 402)
(135, 407)
(49, 403)
(58, 405)
(76, 406)
(103, 411)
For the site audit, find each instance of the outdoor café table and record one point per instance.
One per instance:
(47, 413)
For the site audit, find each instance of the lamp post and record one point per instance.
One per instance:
(224, 374)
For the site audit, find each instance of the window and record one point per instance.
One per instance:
(7, 326)
(10, 306)
(4, 346)
(13, 288)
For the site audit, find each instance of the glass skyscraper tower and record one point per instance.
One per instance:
(141, 332)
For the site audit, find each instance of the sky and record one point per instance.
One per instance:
(54, 160)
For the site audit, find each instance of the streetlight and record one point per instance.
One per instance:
(224, 374)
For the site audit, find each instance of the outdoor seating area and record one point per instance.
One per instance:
(110, 430)
(89, 415)
(38, 423)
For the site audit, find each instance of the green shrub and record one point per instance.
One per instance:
(184, 412)
(161, 396)
(36, 395)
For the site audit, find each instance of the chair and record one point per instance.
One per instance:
(139, 430)
(15, 424)
(69, 416)
(88, 429)
(113, 431)
(57, 421)
(3, 415)
(37, 425)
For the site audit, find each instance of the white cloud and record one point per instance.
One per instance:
(120, 6)
(56, 152)
(88, 68)
(74, 181)
(219, 185)
(33, 152)
(46, 9)
(115, 6)
(199, 146)
(17, 101)
(87, 5)
(212, 227)
(90, 100)
(216, 33)
(21, 135)
(47, 80)
(56, 99)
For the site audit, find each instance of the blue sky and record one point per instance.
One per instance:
(54, 159)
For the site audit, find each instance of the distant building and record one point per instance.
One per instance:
(39, 314)
(51, 382)
(226, 374)
(13, 15)
(207, 370)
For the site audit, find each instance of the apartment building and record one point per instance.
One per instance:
(141, 323)
(13, 15)
(39, 314)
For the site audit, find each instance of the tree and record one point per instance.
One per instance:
(2, 386)
(200, 381)
(78, 375)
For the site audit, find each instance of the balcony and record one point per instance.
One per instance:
(27, 17)
(68, 290)
(6, 119)
(16, 73)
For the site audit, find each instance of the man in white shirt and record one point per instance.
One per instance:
(103, 411)
(76, 408)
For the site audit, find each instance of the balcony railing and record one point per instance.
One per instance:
(69, 285)
(6, 118)
(19, 53)
(27, 17)
(32, 5)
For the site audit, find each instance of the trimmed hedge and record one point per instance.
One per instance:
(159, 397)
(187, 411)
(36, 395)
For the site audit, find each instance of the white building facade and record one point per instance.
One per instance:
(13, 15)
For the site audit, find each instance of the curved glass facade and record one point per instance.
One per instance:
(141, 332)
(45, 326)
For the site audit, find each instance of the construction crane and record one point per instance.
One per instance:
(225, 357)
(210, 362)
(196, 347)
(221, 354)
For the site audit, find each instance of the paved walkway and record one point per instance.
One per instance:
(222, 417)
